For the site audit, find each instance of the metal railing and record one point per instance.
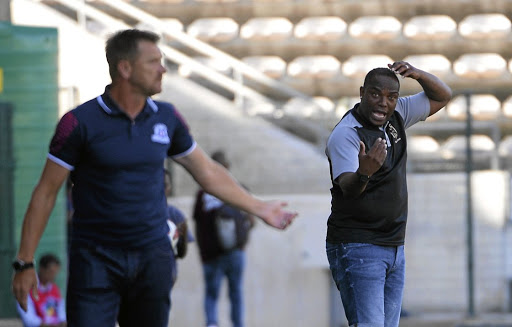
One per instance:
(241, 70)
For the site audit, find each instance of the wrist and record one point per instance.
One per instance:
(361, 177)
(20, 265)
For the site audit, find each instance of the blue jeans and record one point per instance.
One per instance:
(370, 279)
(232, 266)
(130, 286)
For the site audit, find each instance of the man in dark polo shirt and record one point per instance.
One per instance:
(367, 157)
(114, 146)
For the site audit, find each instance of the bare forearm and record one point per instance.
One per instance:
(434, 88)
(223, 185)
(34, 223)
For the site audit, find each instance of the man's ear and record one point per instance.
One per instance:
(361, 92)
(124, 68)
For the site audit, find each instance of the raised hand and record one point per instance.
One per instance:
(370, 162)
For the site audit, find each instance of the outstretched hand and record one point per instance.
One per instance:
(22, 283)
(274, 215)
(370, 162)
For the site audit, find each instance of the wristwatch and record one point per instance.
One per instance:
(20, 265)
(362, 178)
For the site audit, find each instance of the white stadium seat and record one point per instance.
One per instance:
(375, 27)
(485, 26)
(219, 29)
(506, 107)
(482, 107)
(480, 65)
(505, 147)
(359, 65)
(266, 28)
(215, 64)
(314, 67)
(433, 63)
(299, 107)
(430, 27)
(454, 147)
(324, 28)
(419, 145)
(345, 104)
(272, 66)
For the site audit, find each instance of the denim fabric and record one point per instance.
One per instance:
(232, 266)
(109, 284)
(370, 279)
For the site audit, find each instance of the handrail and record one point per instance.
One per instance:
(173, 54)
(204, 48)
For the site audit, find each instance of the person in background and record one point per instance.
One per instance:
(219, 262)
(367, 156)
(179, 233)
(113, 147)
(45, 306)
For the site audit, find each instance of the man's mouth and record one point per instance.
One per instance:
(378, 115)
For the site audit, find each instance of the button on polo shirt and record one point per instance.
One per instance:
(116, 168)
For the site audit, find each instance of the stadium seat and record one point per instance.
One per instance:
(480, 65)
(359, 65)
(486, 26)
(423, 154)
(345, 104)
(505, 152)
(434, 63)
(375, 27)
(324, 28)
(172, 24)
(266, 28)
(272, 66)
(314, 67)
(430, 27)
(215, 64)
(160, 1)
(506, 107)
(422, 145)
(482, 147)
(215, 1)
(218, 29)
(482, 107)
(299, 107)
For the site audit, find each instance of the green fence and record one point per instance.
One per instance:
(29, 65)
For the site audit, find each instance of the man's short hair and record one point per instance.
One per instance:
(123, 45)
(380, 71)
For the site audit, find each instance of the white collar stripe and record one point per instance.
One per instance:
(103, 105)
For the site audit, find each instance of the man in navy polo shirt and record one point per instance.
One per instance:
(114, 146)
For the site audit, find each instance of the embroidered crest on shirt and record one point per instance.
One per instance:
(392, 130)
(160, 134)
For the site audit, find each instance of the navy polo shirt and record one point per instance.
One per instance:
(117, 169)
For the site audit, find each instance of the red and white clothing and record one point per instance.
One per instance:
(49, 308)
